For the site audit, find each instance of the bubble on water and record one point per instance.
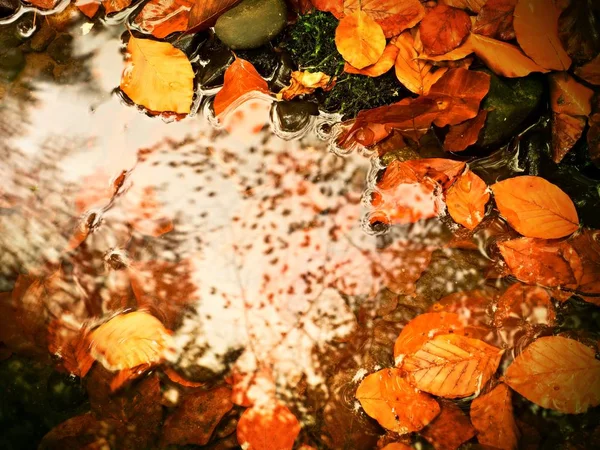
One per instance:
(26, 28)
(377, 228)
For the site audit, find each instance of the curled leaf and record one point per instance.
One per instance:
(443, 29)
(306, 83)
(495, 20)
(383, 64)
(466, 200)
(567, 96)
(241, 78)
(492, 416)
(266, 428)
(359, 39)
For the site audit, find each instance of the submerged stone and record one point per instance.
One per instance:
(60, 49)
(252, 23)
(12, 62)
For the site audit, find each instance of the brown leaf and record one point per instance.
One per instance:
(393, 16)
(492, 417)
(471, 5)
(521, 304)
(541, 262)
(268, 428)
(82, 432)
(241, 78)
(472, 308)
(383, 64)
(161, 18)
(557, 373)
(196, 417)
(449, 429)
(495, 20)
(335, 7)
(456, 55)
(388, 398)
(443, 29)
(536, 28)
(535, 207)
(593, 138)
(567, 96)
(590, 72)
(306, 83)
(578, 29)
(466, 200)
(112, 6)
(452, 366)
(416, 75)
(359, 39)
(44, 4)
(566, 131)
(502, 58)
(587, 245)
(464, 134)
(204, 13)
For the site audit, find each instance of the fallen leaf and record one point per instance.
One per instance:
(587, 245)
(335, 7)
(396, 446)
(112, 6)
(158, 76)
(383, 64)
(241, 78)
(541, 262)
(267, 428)
(416, 75)
(64, 343)
(196, 417)
(495, 20)
(306, 83)
(593, 138)
(393, 16)
(578, 29)
(471, 5)
(557, 373)
(443, 29)
(590, 72)
(536, 29)
(359, 39)
(452, 366)
(441, 170)
(566, 131)
(82, 432)
(180, 380)
(161, 18)
(522, 304)
(567, 96)
(502, 58)
(535, 207)
(204, 13)
(449, 429)
(388, 398)
(472, 307)
(44, 4)
(89, 9)
(464, 134)
(466, 200)
(459, 53)
(492, 416)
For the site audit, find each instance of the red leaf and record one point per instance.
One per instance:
(465, 134)
(566, 131)
(267, 428)
(335, 7)
(161, 18)
(495, 20)
(393, 16)
(521, 304)
(443, 29)
(587, 245)
(205, 13)
(471, 5)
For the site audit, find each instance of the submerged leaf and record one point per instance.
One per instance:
(464, 134)
(587, 245)
(566, 131)
(359, 39)
(205, 13)
(449, 429)
(466, 200)
(443, 29)
(241, 78)
(161, 18)
(492, 417)
(531, 305)
(267, 428)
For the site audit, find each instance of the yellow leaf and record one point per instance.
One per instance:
(359, 39)
(306, 83)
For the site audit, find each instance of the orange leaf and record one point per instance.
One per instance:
(44, 4)
(205, 13)
(423, 327)
(443, 29)
(466, 200)
(546, 263)
(535, 207)
(566, 131)
(241, 78)
(161, 18)
(396, 446)
(452, 366)
(495, 20)
(557, 373)
(492, 417)
(111, 6)
(180, 380)
(504, 59)
(460, 52)
(388, 398)
(465, 134)
(89, 9)
(359, 39)
(536, 28)
(567, 96)
(393, 16)
(415, 74)
(472, 308)
(266, 429)
(590, 72)
(306, 83)
(383, 64)
(587, 245)
(471, 5)
(441, 170)
(450, 429)
(524, 304)
(335, 7)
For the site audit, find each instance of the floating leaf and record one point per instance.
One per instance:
(452, 366)
(495, 20)
(443, 29)
(587, 245)
(464, 134)
(393, 16)
(241, 78)
(567, 96)
(205, 13)
(466, 200)
(267, 428)
(471, 5)
(590, 72)
(383, 64)
(161, 18)
(536, 28)
(449, 429)
(388, 398)
(557, 373)
(535, 207)
(359, 39)
(566, 131)
(158, 76)
(546, 263)
(504, 59)
(306, 83)
(531, 305)
(492, 417)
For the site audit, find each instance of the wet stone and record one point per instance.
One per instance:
(215, 59)
(295, 115)
(252, 23)
(12, 61)
(60, 49)
(190, 44)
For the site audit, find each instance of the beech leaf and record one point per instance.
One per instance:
(204, 13)
(587, 245)
(471, 5)
(590, 72)
(466, 200)
(557, 373)
(443, 29)
(535, 207)
(267, 428)
(524, 304)
(566, 131)
(383, 64)
(464, 134)
(495, 20)
(450, 429)
(305, 83)
(241, 78)
(393, 16)
(359, 39)
(161, 18)
(567, 96)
